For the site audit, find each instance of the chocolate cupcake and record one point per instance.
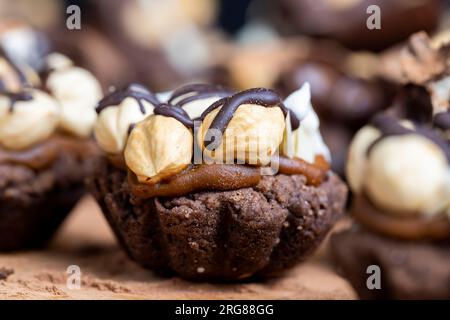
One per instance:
(399, 171)
(45, 149)
(186, 191)
(400, 174)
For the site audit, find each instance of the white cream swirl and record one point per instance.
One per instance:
(305, 142)
(27, 122)
(78, 91)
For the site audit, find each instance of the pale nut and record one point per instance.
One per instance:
(357, 157)
(252, 136)
(158, 147)
(11, 78)
(57, 61)
(29, 122)
(408, 174)
(78, 91)
(113, 124)
(8, 76)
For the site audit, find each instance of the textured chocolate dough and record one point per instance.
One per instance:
(409, 270)
(226, 235)
(34, 203)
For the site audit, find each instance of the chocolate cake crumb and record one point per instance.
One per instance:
(35, 202)
(221, 235)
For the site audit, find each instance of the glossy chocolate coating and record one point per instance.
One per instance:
(175, 112)
(135, 91)
(389, 126)
(16, 97)
(442, 120)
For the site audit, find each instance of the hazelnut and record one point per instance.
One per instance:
(252, 136)
(113, 124)
(158, 147)
(357, 156)
(408, 174)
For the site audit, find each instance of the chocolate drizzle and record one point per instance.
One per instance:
(135, 91)
(259, 96)
(441, 120)
(198, 91)
(22, 77)
(15, 97)
(389, 126)
(175, 112)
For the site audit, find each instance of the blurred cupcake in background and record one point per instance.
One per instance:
(45, 145)
(399, 171)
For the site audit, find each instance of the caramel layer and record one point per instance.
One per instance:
(417, 227)
(44, 153)
(219, 177)
(222, 177)
(314, 173)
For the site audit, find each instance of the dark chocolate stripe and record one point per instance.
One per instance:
(442, 120)
(135, 91)
(437, 139)
(22, 77)
(389, 126)
(259, 96)
(175, 112)
(198, 91)
(16, 97)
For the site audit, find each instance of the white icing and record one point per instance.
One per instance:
(306, 142)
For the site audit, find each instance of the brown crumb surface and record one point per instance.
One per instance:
(106, 273)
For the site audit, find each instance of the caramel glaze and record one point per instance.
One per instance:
(219, 177)
(43, 154)
(314, 173)
(413, 227)
(222, 177)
